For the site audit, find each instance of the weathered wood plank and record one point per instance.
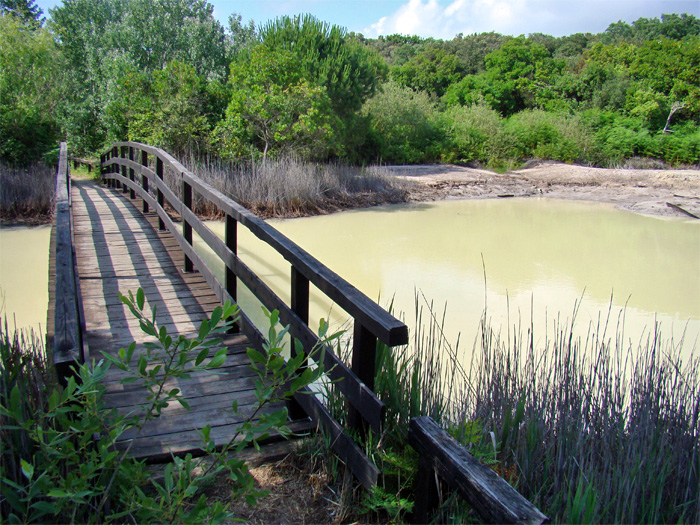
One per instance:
(67, 340)
(489, 495)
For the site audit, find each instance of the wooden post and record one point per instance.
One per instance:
(144, 179)
(161, 198)
(427, 491)
(186, 226)
(132, 175)
(364, 353)
(103, 158)
(300, 306)
(125, 188)
(115, 167)
(231, 239)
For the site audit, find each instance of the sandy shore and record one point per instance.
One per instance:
(641, 191)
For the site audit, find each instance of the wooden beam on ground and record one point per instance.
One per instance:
(489, 495)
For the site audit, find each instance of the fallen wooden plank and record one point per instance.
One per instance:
(488, 494)
(678, 208)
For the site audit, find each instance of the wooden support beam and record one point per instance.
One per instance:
(488, 494)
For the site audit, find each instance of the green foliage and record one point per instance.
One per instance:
(404, 126)
(275, 109)
(104, 41)
(476, 134)
(172, 108)
(349, 71)
(545, 135)
(59, 457)
(29, 91)
(432, 70)
(26, 10)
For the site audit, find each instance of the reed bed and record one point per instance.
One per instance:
(24, 368)
(27, 194)
(592, 428)
(290, 187)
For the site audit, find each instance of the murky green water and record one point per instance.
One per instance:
(541, 253)
(533, 258)
(24, 276)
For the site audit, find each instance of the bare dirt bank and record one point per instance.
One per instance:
(640, 191)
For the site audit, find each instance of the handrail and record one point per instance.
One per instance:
(488, 494)
(68, 348)
(124, 161)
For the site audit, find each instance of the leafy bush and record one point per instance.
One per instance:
(553, 136)
(475, 133)
(405, 126)
(59, 460)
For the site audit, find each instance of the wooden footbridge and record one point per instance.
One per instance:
(135, 231)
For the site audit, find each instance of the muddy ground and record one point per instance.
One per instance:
(641, 191)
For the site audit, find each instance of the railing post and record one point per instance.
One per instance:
(115, 167)
(144, 179)
(132, 175)
(364, 352)
(161, 197)
(125, 188)
(300, 306)
(231, 239)
(186, 226)
(103, 158)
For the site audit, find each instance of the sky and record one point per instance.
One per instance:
(446, 18)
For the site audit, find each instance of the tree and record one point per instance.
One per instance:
(25, 10)
(431, 70)
(348, 70)
(105, 41)
(30, 68)
(275, 109)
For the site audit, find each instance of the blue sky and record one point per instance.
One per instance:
(446, 18)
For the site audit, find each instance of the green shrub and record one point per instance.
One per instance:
(554, 136)
(59, 459)
(475, 133)
(405, 126)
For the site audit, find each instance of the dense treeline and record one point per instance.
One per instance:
(167, 73)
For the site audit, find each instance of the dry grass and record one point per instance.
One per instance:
(27, 194)
(289, 187)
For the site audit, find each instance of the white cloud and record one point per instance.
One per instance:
(444, 19)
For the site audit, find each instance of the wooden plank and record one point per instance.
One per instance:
(678, 208)
(67, 341)
(489, 495)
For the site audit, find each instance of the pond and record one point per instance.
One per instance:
(519, 259)
(24, 276)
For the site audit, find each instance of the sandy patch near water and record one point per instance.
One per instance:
(642, 191)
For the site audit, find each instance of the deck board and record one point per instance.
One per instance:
(119, 248)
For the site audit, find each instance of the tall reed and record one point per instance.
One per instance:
(24, 369)
(589, 428)
(27, 193)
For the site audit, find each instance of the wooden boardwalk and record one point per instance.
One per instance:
(119, 248)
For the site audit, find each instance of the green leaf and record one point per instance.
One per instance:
(140, 298)
(201, 356)
(27, 469)
(255, 356)
(216, 316)
(57, 493)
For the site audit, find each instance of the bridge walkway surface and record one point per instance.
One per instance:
(119, 249)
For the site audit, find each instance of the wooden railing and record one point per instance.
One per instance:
(69, 324)
(140, 169)
(441, 456)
